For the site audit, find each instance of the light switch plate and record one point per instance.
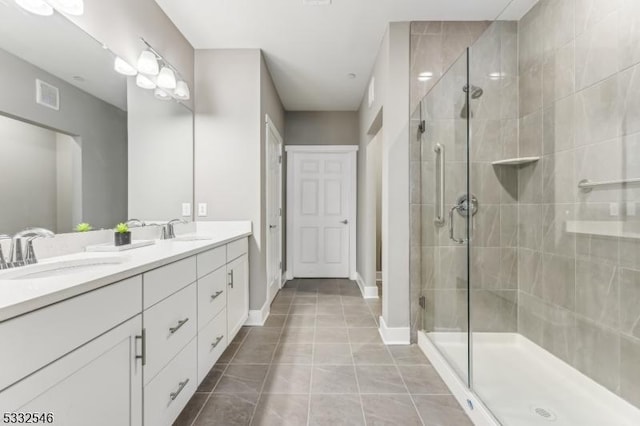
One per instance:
(186, 209)
(631, 208)
(202, 209)
(614, 209)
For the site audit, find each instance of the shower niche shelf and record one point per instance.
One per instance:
(614, 229)
(516, 161)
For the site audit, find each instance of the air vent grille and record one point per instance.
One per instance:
(47, 95)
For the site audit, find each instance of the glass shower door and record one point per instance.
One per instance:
(445, 248)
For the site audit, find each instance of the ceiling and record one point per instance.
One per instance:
(310, 50)
(59, 47)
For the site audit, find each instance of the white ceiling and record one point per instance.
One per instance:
(59, 47)
(311, 49)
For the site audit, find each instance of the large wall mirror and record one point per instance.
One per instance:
(78, 142)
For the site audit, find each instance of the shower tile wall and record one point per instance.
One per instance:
(579, 103)
(434, 48)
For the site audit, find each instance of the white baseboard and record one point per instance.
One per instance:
(368, 292)
(475, 409)
(259, 316)
(394, 335)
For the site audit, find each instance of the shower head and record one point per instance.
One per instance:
(475, 92)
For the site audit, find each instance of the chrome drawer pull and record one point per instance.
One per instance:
(215, 296)
(181, 386)
(177, 327)
(217, 342)
(231, 278)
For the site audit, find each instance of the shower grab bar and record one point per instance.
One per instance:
(587, 186)
(439, 150)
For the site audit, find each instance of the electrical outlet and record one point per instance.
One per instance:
(614, 209)
(186, 209)
(202, 209)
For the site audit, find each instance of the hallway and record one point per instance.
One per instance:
(319, 360)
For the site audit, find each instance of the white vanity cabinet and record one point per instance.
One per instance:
(129, 353)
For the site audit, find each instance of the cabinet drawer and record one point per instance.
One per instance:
(167, 394)
(169, 326)
(211, 260)
(212, 341)
(34, 340)
(166, 280)
(212, 296)
(237, 248)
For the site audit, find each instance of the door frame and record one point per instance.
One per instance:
(352, 150)
(269, 125)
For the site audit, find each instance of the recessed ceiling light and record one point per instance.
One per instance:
(425, 76)
(351, 76)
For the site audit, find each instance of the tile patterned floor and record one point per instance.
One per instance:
(319, 361)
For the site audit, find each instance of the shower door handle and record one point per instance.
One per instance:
(439, 150)
(452, 236)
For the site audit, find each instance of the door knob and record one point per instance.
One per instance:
(345, 221)
(272, 226)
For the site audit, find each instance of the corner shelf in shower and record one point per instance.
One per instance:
(615, 229)
(516, 161)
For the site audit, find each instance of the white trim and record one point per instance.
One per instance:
(394, 335)
(368, 292)
(321, 148)
(475, 409)
(270, 125)
(259, 316)
(288, 275)
(353, 216)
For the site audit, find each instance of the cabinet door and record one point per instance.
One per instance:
(98, 384)
(237, 295)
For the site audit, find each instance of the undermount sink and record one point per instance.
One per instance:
(188, 238)
(60, 268)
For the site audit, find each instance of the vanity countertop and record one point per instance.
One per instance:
(18, 297)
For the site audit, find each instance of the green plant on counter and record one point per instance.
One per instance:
(122, 228)
(83, 227)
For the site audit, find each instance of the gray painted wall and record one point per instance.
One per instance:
(234, 92)
(101, 129)
(160, 156)
(321, 128)
(28, 174)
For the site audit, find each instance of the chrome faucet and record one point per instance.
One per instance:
(135, 223)
(168, 231)
(3, 262)
(16, 257)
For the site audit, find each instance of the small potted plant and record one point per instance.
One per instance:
(122, 235)
(83, 227)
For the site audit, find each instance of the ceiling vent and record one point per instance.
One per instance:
(316, 2)
(47, 95)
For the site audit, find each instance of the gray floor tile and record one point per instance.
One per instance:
(331, 335)
(408, 355)
(423, 379)
(303, 321)
(277, 309)
(303, 309)
(293, 353)
(364, 335)
(281, 410)
(330, 309)
(229, 353)
(330, 321)
(441, 410)
(332, 410)
(254, 353)
(371, 353)
(360, 321)
(247, 379)
(191, 410)
(390, 410)
(334, 379)
(332, 353)
(379, 379)
(275, 321)
(297, 335)
(288, 379)
(262, 335)
(305, 300)
(211, 380)
(228, 410)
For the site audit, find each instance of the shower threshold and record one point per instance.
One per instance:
(522, 384)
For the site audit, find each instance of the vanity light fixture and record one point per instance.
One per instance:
(425, 76)
(162, 95)
(182, 91)
(123, 67)
(37, 7)
(148, 63)
(145, 82)
(167, 78)
(70, 7)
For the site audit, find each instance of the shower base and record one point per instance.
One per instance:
(522, 384)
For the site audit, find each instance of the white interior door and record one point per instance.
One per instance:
(322, 213)
(274, 209)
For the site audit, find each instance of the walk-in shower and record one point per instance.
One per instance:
(531, 306)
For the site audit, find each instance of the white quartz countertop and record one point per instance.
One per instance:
(21, 296)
